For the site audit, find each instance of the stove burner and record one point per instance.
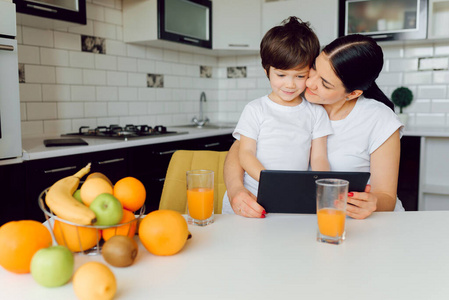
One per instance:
(129, 131)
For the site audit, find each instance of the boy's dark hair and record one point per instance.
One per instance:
(289, 45)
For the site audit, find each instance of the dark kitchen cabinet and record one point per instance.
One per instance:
(408, 181)
(12, 178)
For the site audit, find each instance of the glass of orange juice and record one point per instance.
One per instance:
(331, 197)
(200, 197)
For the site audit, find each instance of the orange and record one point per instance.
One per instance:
(92, 188)
(163, 232)
(128, 229)
(131, 192)
(94, 281)
(76, 238)
(19, 241)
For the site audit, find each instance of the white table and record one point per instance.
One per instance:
(387, 256)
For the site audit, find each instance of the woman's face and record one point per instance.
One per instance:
(323, 85)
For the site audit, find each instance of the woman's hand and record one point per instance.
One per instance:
(244, 203)
(361, 204)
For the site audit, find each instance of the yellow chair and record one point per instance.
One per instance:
(174, 195)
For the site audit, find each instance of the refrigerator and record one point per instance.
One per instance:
(10, 131)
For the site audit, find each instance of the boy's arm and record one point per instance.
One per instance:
(248, 159)
(318, 155)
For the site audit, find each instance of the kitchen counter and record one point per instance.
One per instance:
(387, 256)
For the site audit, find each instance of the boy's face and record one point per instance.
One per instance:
(287, 85)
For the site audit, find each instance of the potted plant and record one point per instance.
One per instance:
(402, 97)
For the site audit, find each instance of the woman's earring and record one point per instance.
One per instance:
(347, 98)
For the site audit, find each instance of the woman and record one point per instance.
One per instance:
(366, 130)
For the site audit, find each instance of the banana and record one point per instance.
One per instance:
(60, 200)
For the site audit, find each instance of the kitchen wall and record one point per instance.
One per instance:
(66, 88)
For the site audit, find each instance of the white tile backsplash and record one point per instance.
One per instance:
(68, 75)
(55, 92)
(54, 57)
(40, 74)
(28, 54)
(30, 92)
(70, 41)
(81, 59)
(37, 37)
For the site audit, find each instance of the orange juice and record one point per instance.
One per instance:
(200, 202)
(331, 222)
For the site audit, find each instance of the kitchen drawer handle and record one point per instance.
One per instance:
(238, 45)
(59, 170)
(6, 47)
(165, 152)
(42, 8)
(211, 145)
(110, 161)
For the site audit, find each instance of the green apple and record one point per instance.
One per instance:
(52, 266)
(77, 195)
(107, 209)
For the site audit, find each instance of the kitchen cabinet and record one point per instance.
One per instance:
(322, 15)
(236, 24)
(12, 178)
(408, 181)
(438, 19)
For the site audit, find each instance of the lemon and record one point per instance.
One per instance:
(94, 281)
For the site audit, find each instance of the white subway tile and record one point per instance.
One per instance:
(113, 16)
(118, 4)
(137, 79)
(392, 51)
(434, 63)
(117, 78)
(156, 53)
(174, 108)
(107, 93)
(247, 83)
(171, 55)
(105, 62)
(77, 123)
(179, 95)
(155, 108)
(107, 121)
(41, 111)
(82, 93)
(248, 60)
(146, 94)
(70, 110)
(57, 126)
(442, 49)
(441, 77)
(418, 78)
(163, 67)
(28, 54)
(55, 92)
(185, 82)
(94, 77)
(87, 29)
(95, 12)
(185, 58)
(165, 94)
(115, 48)
(39, 74)
(129, 119)
(119, 30)
(54, 57)
(81, 59)
(37, 37)
(137, 51)
(418, 50)
(30, 92)
(23, 111)
(430, 119)
(19, 35)
(95, 109)
(432, 91)
(68, 75)
(138, 108)
(388, 79)
(127, 64)
(117, 109)
(107, 3)
(69, 41)
(104, 30)
(418, 105)
(440, 106)
(403, 65)
(179, 69)
(171, 81)
(145, 65)
(32, 128)
(127, 94)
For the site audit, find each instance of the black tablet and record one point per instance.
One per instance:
(295, 191)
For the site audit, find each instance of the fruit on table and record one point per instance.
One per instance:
(120, 251)
(99, 175)
(19, 241)
(77, 195)
(127, 229)
(108, 209)
(94, 281)
(163, 232)
(76, 238)
(131, 192)
(93, 187)
(60, 200)
(52, 266)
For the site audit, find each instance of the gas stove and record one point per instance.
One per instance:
(123, 133)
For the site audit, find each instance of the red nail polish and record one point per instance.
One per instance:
(264, 212)
(262, 216)
(350, 194)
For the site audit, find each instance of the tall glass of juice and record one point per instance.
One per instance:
(331, 197)
(200, 197)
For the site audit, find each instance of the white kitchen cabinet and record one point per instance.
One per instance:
(322, 15)
(438, 23)
(434, 174)
(236, 24)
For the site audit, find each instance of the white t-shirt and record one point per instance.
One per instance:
(283, 134)
(366, 128)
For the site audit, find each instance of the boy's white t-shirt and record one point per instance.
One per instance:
(283, 133)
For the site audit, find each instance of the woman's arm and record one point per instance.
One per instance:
(384, 180)
(248, 159)
(318, 155)
(242, 201)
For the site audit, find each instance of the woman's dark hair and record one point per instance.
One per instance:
(357, 60)
(289, 45)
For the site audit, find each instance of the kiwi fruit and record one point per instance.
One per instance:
(120, 251)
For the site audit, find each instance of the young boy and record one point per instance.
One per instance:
(281, 130)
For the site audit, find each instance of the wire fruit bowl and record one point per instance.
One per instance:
(70, 234)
